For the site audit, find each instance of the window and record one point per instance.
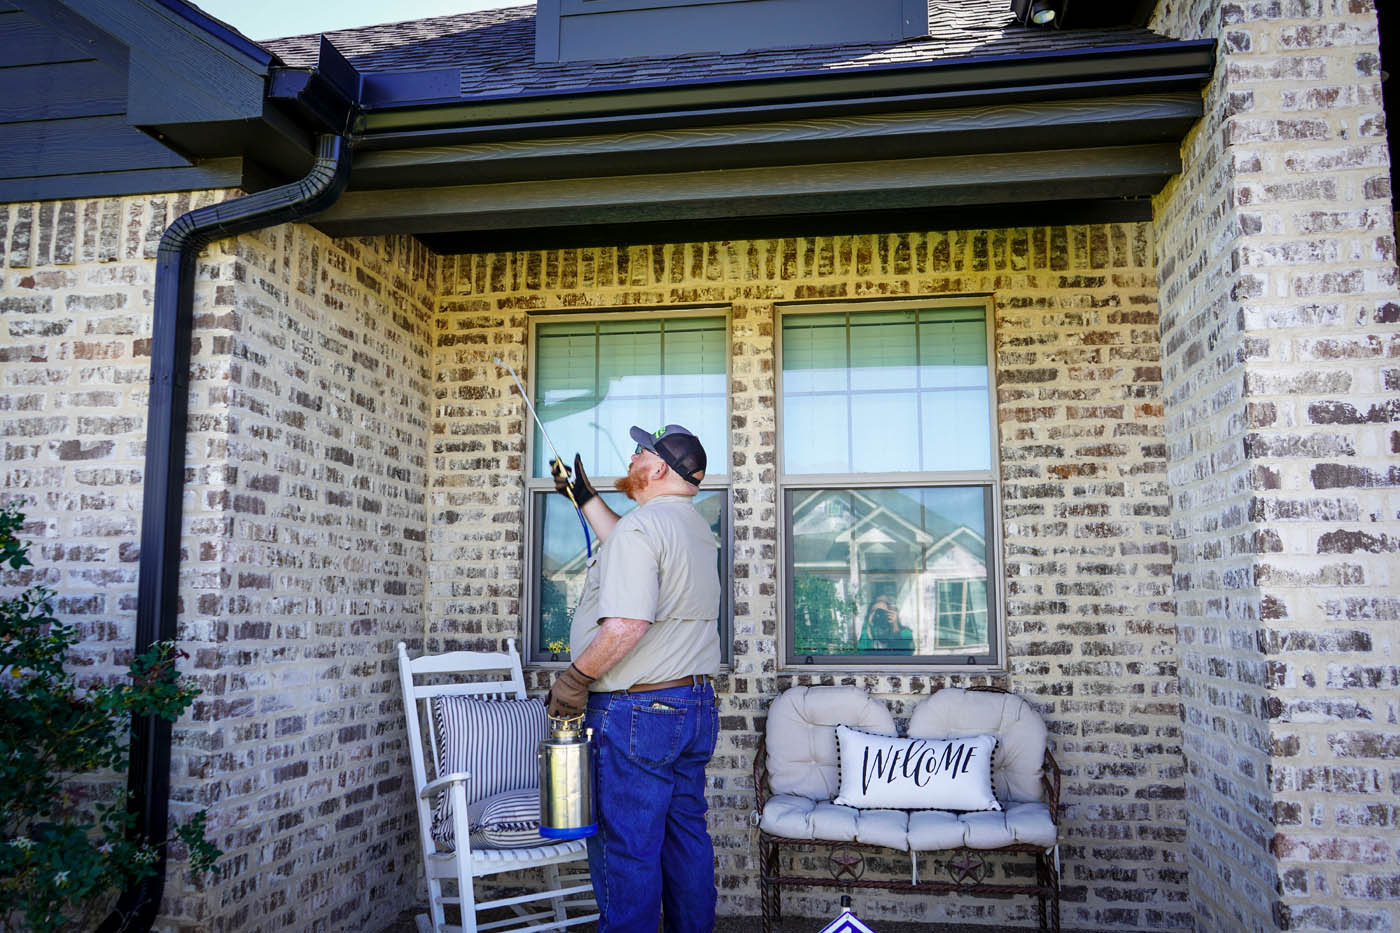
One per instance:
(592, 380)
(888, 475)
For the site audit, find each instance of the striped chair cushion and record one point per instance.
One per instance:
(507, 821)
(493, 740)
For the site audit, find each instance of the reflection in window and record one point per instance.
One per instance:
(889, 571)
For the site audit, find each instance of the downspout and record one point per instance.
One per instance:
(157, 602)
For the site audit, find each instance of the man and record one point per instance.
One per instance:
(646, 646)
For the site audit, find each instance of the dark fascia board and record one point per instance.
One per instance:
(1002, 127)
(851, 223)
(887, 184)
(1168, 64)
(221, 31)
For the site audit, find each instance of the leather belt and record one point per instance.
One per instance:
(697, 680)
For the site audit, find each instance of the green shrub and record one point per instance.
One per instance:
(64, 855)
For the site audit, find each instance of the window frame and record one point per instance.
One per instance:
(996, 658)
(534, 654)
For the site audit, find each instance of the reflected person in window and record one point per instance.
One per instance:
(646, 649)
(882, 632)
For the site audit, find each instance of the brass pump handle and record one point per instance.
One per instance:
(565, 720)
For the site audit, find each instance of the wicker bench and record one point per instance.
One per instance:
(796, 774)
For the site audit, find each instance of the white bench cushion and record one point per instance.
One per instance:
(953, 712)
(795, 817)
(1019, 823)
(802, 757)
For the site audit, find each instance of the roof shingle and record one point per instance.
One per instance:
(495, 51)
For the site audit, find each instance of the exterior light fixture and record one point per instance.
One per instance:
(1039, 12)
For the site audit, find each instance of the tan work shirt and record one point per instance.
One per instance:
(659, 564)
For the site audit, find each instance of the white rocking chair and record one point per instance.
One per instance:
(464, 674)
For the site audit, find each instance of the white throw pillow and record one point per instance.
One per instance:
(507, 821)
(890, 772)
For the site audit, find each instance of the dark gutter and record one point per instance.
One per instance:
(157, 601)
(325, 96)
(1157, 65)
(590, 125)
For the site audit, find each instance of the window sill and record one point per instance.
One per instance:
(896, 670)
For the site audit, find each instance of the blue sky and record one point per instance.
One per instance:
(269, 19)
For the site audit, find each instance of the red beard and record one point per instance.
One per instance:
(631, 484)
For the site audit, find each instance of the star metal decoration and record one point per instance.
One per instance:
(845, 862)
(967, 868)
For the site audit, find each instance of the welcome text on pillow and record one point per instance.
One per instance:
(917, 761)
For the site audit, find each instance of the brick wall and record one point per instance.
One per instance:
(75, 297)
(305, 529)
(1091, 631)
(1279, 313)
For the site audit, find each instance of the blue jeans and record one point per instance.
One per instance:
(652, 852)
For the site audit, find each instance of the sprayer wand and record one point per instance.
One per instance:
(556, 466)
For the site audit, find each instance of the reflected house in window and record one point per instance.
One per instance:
(889, 571)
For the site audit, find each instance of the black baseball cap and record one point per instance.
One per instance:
(678, 447)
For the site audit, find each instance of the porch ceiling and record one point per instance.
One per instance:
(549, 207)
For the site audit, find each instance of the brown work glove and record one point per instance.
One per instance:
(568, 698)
(581, 488)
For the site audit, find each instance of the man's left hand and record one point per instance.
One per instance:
(568, 698)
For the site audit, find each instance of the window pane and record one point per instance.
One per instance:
(629, 359)
(897, 572)
(884, 351)
(884, 437)
(565, 383)
(594, 380)
(563, 562)
(956, 430)
(816, 436)
(694, 353)
(911, 386)
(814, 353)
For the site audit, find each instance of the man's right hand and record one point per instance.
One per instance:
(579, 486)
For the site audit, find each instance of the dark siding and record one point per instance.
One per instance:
(25, 42)
(60, 91)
